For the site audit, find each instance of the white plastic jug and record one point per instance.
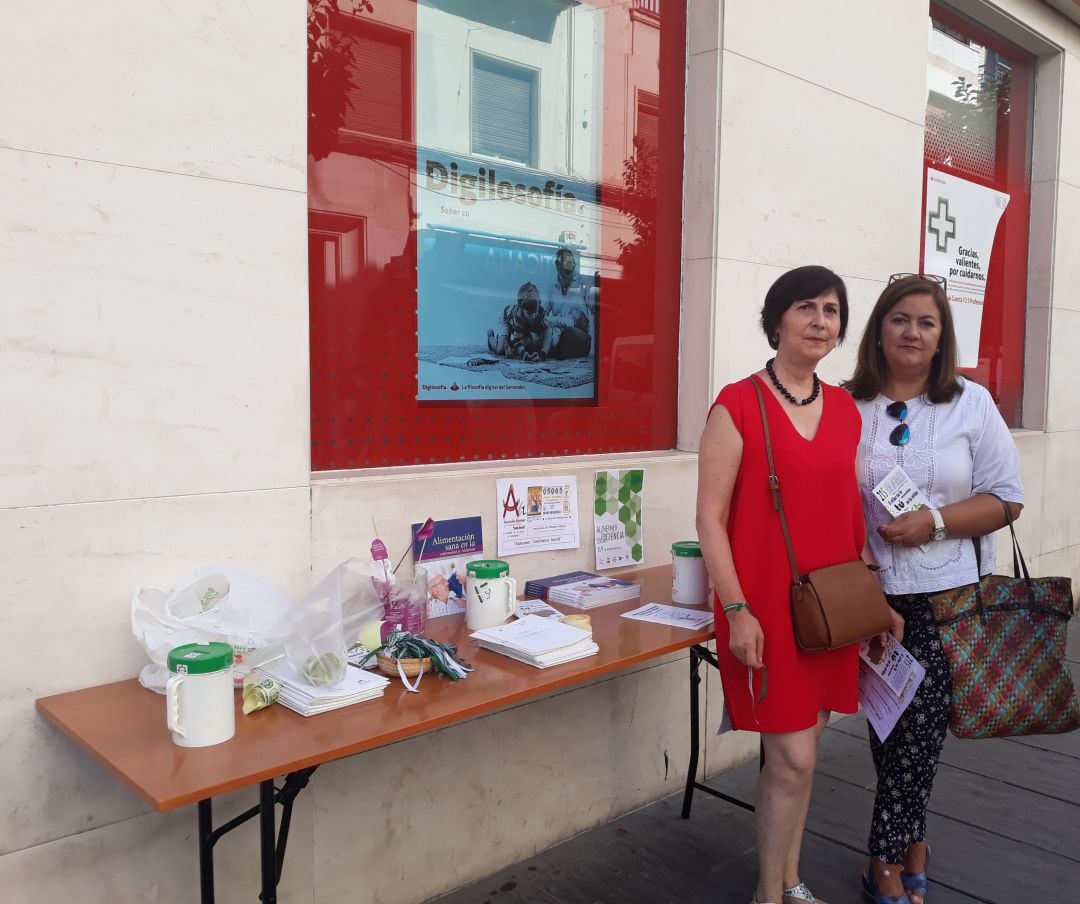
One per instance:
(490, 594)
(689, 579)
(200, 709)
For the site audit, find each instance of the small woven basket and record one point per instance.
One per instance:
(388, 665)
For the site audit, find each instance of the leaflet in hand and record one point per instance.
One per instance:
(887, 686)
(898, 493)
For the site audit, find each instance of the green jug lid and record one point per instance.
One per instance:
(686, 548)
(201, 658)
(488, 568)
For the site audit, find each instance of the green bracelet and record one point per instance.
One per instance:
(735, 607)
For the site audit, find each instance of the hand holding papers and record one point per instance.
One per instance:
(887, 686)
(675, 616)
(537, 641)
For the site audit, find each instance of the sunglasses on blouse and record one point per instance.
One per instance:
(929, 277)
(901, 434)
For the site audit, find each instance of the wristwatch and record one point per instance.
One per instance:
(940, 532)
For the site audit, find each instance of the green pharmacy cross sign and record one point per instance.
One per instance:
(942, 218)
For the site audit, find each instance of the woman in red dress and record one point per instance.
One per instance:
(815, 432)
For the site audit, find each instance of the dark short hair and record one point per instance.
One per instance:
(528, 292)
(798, 285)
(871, 369)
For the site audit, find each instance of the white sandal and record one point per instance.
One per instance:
(800, 893)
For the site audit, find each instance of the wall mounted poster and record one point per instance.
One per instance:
(617, 526)
(507, 201)
(961, 221)
(537, 513)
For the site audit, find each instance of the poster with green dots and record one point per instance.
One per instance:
(617, 507)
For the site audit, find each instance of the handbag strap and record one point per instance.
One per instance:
(1019, 565)
(774, 484)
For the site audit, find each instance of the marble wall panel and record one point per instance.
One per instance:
(1062, 410)
(838, 46)
(196, 87)
(70, 573)
(342, 511)
(808, 174)
(153, 859)
(1061, 514)
(412, 820)
(156, 334)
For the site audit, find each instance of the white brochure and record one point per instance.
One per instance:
(887, 686)
(675, 616)
(898, 493)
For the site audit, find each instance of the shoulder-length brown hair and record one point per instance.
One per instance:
(871, 369)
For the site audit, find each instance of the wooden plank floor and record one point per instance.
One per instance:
(1004, 825)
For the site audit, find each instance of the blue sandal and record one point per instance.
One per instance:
(873, 896)
(916, 882)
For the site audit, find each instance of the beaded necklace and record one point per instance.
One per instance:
(785, 392)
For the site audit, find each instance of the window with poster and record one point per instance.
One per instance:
(976, 204)
(495, 224)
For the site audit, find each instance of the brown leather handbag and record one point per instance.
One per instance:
(834, 606)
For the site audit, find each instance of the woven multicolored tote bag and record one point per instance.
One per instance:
(1005, 642)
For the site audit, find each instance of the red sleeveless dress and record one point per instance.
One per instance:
(821, 499)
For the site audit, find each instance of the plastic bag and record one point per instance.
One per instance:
(216, 602)
(319, 630)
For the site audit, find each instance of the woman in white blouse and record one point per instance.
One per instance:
(945, 433)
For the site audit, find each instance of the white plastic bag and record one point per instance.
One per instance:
(319, 630)
(216, 602)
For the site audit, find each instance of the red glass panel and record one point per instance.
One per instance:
(978, 127)
(375, 119)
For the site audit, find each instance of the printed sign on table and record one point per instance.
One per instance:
(455, 542)
(617, 506)
(537, 513)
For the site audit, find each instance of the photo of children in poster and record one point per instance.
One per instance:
(503, 316)
(508, 205)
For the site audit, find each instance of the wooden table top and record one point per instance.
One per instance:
(123, 725)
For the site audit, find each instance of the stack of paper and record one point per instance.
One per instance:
(537, 641)
(582, 589)
(301, 696)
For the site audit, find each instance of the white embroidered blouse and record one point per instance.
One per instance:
(957, 450)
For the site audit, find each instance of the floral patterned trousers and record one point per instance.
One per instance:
(907, 760)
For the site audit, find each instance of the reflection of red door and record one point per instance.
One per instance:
(978, 127)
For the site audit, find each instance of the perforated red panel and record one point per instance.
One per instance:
(364, 228)
(984, 135)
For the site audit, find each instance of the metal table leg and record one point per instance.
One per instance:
(698, 654)
(272, 840)
(206, 852)
(267, 839)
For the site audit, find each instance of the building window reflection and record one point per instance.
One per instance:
(504, 107)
